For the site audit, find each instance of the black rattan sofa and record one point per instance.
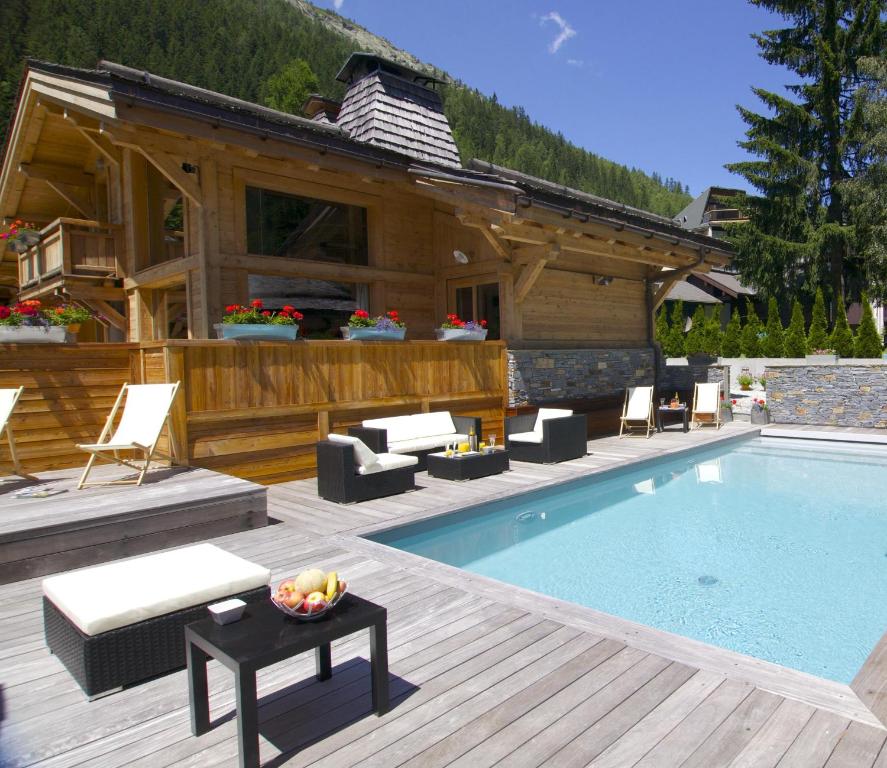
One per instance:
(562, 438)
(338, 479)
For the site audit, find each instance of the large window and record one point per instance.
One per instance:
(476, 299)
(305, 228)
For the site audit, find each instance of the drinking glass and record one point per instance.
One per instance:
(492, 440)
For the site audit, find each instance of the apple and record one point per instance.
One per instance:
(287, 586)
(316, 601)
(293, 600)
(342, 586)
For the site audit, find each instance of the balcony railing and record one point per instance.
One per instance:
(724, 214)
(77, 248)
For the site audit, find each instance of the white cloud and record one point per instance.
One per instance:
(566, 31)
(337, 4)
(576, 62)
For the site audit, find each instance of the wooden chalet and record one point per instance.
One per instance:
(160, 203)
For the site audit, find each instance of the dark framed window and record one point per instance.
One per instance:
(295, 227)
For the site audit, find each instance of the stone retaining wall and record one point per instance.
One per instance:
(843, 394)
(549, 375)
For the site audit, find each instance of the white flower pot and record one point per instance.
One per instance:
(372, 334)
(257, 332)
(31, 334)
(460, 334)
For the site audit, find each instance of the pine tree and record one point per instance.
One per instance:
(774, 341)
(795, 337)
(751, 342)
(841, 339)
(712, 335)
(662, 329)
(806, 146)
(817, 334)
(287, 90)
(868, 340)
(731, 344)
(695, 344)
(675, 346)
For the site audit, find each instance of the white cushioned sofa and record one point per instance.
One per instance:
(348, 471)
(547, 436)
(417, 435)
(122, 622)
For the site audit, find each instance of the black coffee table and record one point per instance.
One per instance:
(681, 411)
(265, 636)
(468, 467)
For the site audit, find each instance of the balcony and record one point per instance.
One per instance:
(76, 255)
(724, 214)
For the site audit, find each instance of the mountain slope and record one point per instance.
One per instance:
(236, 46)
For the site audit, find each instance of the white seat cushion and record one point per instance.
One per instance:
(365, 459)
(392, 461)
(114, 595)
(400, 428)
(526, 437)
(426, 443)
(548, 413)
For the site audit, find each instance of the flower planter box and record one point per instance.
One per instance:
(30, 334)
(819, 359)
(726, 415)
(257, 332)
(759, 415)
(460, 334)
(372, 334)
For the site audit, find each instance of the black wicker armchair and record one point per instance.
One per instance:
(563, 438)
(377, 439)
(338, 480)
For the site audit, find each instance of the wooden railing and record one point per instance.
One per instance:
(70, 247)
(254, 410)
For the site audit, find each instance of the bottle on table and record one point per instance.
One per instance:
(472, 440)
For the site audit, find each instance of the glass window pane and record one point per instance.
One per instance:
(465, 302)
(305, 228)
(488, 307)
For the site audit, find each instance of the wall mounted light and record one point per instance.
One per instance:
(604, 280)
(460, 257)
(189, 168)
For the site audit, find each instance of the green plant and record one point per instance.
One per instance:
(390, 320)
(661, 329)
(817, 334)
(731, 342)
(762, 380)
(868, 340)
(751, 340)
(712, 335)
(675, 346)
(841, 339)
(745, 380)
(22, 313)
(256, 314)
(774, 342)
(795, 337)
(67, 314)
(695, 341)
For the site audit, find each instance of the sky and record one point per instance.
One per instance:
(652, 84)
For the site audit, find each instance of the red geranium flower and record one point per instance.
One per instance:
(288, 308)
(483, 323)
(5, 312)
(362, 313)
(231, 308)
(296, 315)
(266, 313)
(257, 303)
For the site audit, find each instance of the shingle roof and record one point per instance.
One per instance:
(391, 112)
(687, 292)
(727, 282)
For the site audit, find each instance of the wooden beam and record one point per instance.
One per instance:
(161, 275)
(58, 174)
(531, 272)
(285, 267)
(502, 249)
(662, 292)
(90, 293)
(111, 315)
(95, 138)
(74, 198)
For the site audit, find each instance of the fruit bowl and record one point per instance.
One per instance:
(309, 596)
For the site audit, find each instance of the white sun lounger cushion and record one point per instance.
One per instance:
(417, 425)
(526, 437)
(639, 399)
(105, 597)
(707, 398)
(7, 403)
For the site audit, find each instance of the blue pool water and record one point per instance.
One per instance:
(773, 548)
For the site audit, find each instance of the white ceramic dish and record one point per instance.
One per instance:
(228, 611)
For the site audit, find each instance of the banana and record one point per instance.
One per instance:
(332, 585)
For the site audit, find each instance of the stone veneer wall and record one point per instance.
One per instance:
(851, 394)
(548, 375)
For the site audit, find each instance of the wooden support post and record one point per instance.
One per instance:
(531, 272)
(174, 365)
(208, 257)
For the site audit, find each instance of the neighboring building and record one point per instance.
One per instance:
(162, 203)
(712, 211)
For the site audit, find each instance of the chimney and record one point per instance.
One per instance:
(392, 106)
(321, 109)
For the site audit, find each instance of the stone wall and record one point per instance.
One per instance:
(842, 394)
(681, 377)
(549, 375)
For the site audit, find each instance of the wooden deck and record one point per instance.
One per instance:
(479, 677)
(75, 528)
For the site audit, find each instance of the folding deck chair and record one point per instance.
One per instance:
(8, 399)
(145, 413)
(707, 402)
(638, 408)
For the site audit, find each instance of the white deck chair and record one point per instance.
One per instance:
(638, 408)
(144, 415)
(707, 402)
(8, 399)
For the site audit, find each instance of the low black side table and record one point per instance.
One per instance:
(265, 636)
(468, 467)
(683, 411)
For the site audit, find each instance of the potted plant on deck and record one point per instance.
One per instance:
(726, 409)
(257, 323)
(25, 321)
(455, 329)
(20, 236)
(69, 316)
(362, 327)
(760, 411)
(745, 381)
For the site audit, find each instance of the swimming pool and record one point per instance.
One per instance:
(775, 548)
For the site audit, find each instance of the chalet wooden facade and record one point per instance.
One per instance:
(161, 203)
